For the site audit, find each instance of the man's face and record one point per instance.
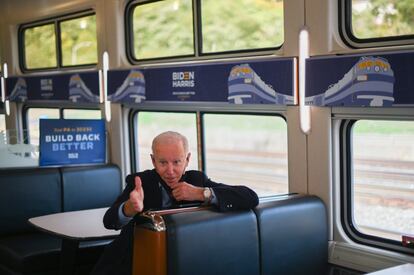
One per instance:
(170, 161)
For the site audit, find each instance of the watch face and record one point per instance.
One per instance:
(207, 193)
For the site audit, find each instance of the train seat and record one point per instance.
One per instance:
(209, 242)
(28, 193)
(293, 236)
(32, 192)
(29, 253)
(90, 187)
(287, 235)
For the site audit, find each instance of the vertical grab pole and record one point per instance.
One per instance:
(107, 103)
(3, 89)
(304, 110)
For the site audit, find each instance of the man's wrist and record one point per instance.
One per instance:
(207, 195)
(128, 210)
(123, 219)
(125, 209)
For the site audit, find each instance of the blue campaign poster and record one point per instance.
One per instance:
(72, 141)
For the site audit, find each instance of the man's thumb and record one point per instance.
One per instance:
(138, 183)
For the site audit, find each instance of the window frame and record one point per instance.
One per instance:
(345, 32)
(129, 34)
(346, 192)
(197, 36)
(133, 118)
(199, 112)
(22, 48)
(58, 43)
(248, 113)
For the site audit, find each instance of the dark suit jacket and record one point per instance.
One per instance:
(117, 258)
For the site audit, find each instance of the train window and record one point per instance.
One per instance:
(33, 117)
(382, 178)
(247, 149)
(40, 47)
(150, 124)
(368, 21)
(241, 25)
(60, 42)
(78, 38)
(162, 29)
(81, 114)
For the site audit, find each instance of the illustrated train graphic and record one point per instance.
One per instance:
(79, 92)
(132, 89)
(19, 92)
(370, 82)
(245, 86)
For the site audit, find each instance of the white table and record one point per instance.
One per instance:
(74, 227)
(405, 269)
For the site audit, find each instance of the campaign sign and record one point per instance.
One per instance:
(249, 82)
(267, 81)
(71, 141)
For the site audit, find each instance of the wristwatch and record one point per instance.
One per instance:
(207, 195)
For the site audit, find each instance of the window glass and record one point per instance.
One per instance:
(15, 151)
(241, 24)
(379, 18)
(383, 177)
(33, 117)
(247, 150)
(40, 47)
(81, 114)
(78, 38)
(162, 29)
(150, 124)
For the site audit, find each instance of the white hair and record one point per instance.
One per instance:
(170, 136)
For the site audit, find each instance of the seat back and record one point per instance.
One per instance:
(26, 193)
(293, 236)
(86, 187)
(208, 242)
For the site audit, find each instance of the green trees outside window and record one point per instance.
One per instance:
(77, 43)
(78, 38)
(382, 18)
(163, 28)
(241, 25)
(40, 47)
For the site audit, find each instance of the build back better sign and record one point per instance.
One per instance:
(72, 141)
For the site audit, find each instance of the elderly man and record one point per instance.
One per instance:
(167, 185)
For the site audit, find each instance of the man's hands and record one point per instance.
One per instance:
(135, 203)
(183, 191)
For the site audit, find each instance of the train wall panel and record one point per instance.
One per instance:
(75, 87)
(254, 82)
(268, 81)
(364, 80)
